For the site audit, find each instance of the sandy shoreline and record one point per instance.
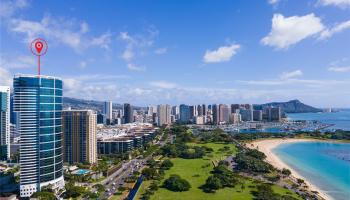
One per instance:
(266, 146)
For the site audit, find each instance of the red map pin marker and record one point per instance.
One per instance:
(38, 46)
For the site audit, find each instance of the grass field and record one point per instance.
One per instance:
(196, 171)
(116, 197)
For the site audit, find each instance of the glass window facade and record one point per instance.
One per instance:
(38, 102)
(4, 123)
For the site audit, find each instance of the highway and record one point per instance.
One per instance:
(116, 180)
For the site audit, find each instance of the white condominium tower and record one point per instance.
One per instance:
(163, 113)
(108, 110)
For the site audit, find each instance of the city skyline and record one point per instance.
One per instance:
(146, 53)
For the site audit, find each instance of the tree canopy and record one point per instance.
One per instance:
(176, 183)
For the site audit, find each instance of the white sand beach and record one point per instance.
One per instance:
(266, 147)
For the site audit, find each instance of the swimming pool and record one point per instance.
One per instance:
(81, 171)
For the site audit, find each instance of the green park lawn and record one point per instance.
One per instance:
(196, 171)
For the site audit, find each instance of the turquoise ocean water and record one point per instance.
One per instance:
(324, 164)
(341, 119)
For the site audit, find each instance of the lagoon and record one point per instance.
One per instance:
(324, 164)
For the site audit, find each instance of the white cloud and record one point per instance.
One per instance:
(139, 92)
(8, 8)
(134, 67)
(127, 55)
(222, 54)
(161, 51)
(316, 92)
(295, 82)
(192, 95)
(292, 74)
(163, 84)
(83, 64)
(84, 27)
(138, 44)
(5, 77)
(60, 30)
(102, 41)
(287, 31)
(71, 84)
(339, 69)
(126, 37)
(18, 62)
(102, 87)
(292, 78)
(94, 78)
(273, 1)
(336, 29)
(338, 3)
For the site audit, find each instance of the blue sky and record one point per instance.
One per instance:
(200, 51)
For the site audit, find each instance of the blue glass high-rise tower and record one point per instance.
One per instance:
(38, 104)
(185, 114)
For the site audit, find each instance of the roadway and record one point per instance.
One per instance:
(117, 179)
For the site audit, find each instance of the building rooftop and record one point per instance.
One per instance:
(125, 130)
(36, 76)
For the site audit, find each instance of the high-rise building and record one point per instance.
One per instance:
(150, 110)
(257, 115)
(273, 113)
(276, 114)
(257, 107)
(192, 112)
(248, 106)
(224, 113)
(200, 120)
(38, 103)
(101, 118)
(108, 111)
(235, 108)
(175, 111)
(204, 107)
(246, 114)
(235, 118)
(79, 136)
(4, 123)
(184, 113)
(154, 118)
(163, 113)
(216, 114)
(128, 113)
(200, 110)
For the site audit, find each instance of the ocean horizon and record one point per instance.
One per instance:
(324, 164)
(340, 119)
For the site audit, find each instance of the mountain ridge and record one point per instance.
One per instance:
(293, 106)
